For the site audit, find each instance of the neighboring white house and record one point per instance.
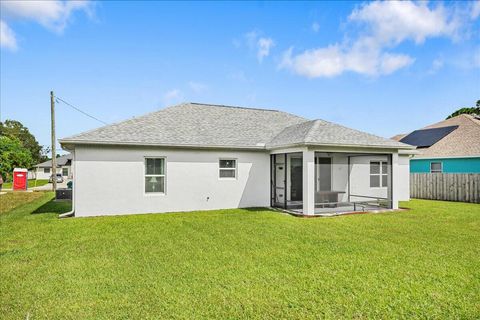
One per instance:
(64, 167)
(200, 157)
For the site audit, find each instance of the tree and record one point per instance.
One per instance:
(467, 110)
(15, 129)
(13, 155)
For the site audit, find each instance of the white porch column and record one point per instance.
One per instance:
(308, 182)
(396, 181)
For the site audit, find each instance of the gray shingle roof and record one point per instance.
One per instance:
(320, 132)
(192, 124)
(202, 125)
(61, 161)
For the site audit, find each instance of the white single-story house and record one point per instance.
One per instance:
(64, 166)
(200, 157)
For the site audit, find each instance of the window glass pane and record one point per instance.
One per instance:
(374, 181)
(150, 166)
(436, 167)
(384, 168)
(159, 166)
(65, 171)
(227, 163)
(154, 166)
(46, 170)
(374, 167)
(227, 173)
(384, 180)
(155, 184)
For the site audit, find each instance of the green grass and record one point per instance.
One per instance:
(11, 200)
(31, 183)
(421, 263)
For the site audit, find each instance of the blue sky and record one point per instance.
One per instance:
(380, 67)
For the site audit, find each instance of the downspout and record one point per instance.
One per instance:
(71, 213)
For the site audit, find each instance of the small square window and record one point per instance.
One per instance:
(46, 170)
(436, 167)
(227, 168)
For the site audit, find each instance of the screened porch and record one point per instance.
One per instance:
(331, 182)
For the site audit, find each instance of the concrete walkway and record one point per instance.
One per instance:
(48, 186)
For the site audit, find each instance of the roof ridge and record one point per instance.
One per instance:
(471, 118)
(315, 125)
(233, 107)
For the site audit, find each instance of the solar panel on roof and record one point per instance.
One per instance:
(427, 137)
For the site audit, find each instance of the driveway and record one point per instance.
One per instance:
(48, 186)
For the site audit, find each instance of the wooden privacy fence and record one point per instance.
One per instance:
(464, 187)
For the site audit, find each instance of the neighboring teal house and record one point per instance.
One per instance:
(449, 146)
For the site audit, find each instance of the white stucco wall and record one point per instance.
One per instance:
(40, 173)
(404, 177)
(360, 178)
(110, 181)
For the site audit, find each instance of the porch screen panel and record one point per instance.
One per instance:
(324, 174)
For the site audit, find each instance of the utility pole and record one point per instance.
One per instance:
(54, 151)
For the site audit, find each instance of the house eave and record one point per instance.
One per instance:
(69, 144)
(426, 157)
(342, 145)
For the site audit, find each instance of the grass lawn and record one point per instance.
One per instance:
(422, 263)
(10, 200)
(31, 183)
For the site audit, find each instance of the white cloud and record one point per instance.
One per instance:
(197, 87)
(475, 10)
(7, 37)
(335, 60)
(315, 27)
(53, 15)
(256, 43)
(264, 45)
(390, 63)
(396, 21)
(384, 25)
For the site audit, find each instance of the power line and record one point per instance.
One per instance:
(78, 109)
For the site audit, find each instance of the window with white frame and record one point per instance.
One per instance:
(46, 170)
(154, 175)
(227, 168)
(378, 174)
(436, 167)
(64, 172)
